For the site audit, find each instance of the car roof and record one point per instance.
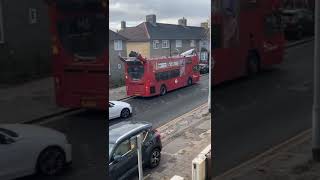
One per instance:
(122, 130)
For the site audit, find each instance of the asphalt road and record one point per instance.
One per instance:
(161, 109)
(87, 130)
(252, 115)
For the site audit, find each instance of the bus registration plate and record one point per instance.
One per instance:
(88, 103)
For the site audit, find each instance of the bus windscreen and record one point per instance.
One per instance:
(83, 36)
(135, 70)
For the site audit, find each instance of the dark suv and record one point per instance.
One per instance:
(123, 158)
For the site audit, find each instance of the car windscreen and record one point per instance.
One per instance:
(135, 70)
(83, 35)
(8, 132)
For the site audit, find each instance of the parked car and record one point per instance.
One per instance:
(119, 109)
(29, 149)
(204, 68)
(123, 160)
(298, 23)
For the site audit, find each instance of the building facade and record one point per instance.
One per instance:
(24, 40)
(117, 47)
(152, 39)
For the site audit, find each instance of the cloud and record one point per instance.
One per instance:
(167, 11)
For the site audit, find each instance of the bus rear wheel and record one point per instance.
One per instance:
(189, 81)
(253, 66)
(163, 90)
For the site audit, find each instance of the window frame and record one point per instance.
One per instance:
(167, 44)
(118, 45)
(156, 44)
(116, 148)
(33, 19)
(180, 43)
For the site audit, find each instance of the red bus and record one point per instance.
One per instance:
(79, 50)
(156, 76)
(247, 35)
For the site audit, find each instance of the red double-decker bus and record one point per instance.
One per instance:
(247, 35)
(79, 50)
(157, 76)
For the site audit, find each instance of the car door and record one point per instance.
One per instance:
(112, 111)
(126, 154)
(12, 161)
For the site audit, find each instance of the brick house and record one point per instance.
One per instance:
(117, 46)
(153, 39)
(24, 40)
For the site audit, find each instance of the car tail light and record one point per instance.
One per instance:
(157, 134)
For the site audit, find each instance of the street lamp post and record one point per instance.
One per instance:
(139, 149)
(316, 102)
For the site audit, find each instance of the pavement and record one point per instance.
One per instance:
(28, 101)
(291, 160)
(117, 93)
(183, 139)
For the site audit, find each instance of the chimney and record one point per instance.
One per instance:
(151, 19)
(182, 22)
(205, 25)
(123, 25)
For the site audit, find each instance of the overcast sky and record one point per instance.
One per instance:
(167, 11)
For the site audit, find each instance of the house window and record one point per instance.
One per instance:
(156, 44)
(165, 43)
(178, 43)
(33, 15)
(118, 45)
(204, 56)
(1, 24)
(193, 43)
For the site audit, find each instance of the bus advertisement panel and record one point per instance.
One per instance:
(157, 76)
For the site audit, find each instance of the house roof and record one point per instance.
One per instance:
(115, 36)
(147, 31)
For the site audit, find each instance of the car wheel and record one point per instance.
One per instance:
(155, 157)
(163, 90)
(51, 161)
(125, 113)
(189, 81)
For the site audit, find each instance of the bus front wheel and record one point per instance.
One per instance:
(163, 90)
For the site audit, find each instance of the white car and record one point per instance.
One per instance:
(28, 149)
(119, 109)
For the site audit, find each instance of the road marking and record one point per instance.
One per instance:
(272, 152)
